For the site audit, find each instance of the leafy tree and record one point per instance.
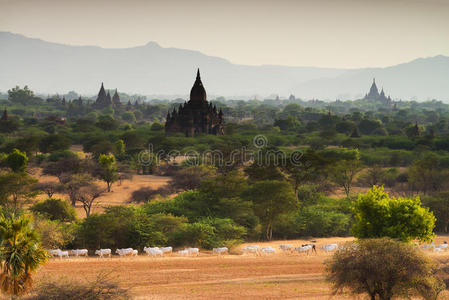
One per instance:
(55, 209)
(54, 142)
(17, 161)
(344, 171)
(190, 178)
(377, 215)
(383, 269)
(16, 189)
(129, 116)
(108, 169)
(18, 95)
(20, 254)
(426, 175)
(271, 199)
(439, 206)
(119, 147)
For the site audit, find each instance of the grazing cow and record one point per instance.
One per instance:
(153, 251)
(126, 252)
(220, 251)
(303, 249)
(311, 245)
(54, 252)
(268, 250)
(251, 249)
(443, 247)
(193, 251)
(329, 247)
(79, 252)
(286, 248)
(183, 252)
(62, 254)
(103, 252)
(436, 249)
(166, 250)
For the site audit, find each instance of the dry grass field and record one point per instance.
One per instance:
(234, 276)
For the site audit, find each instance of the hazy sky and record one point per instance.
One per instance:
(326, 33)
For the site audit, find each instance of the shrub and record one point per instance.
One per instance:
(55, 209)
(383, 268)
(378, 215)
(101, 288)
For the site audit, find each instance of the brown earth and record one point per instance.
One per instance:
(235, 276)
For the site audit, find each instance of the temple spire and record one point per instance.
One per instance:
(198, 76)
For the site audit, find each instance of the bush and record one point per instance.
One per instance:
(378, 215)
(55, 209)
(102, 288)
(53, 234)
(383, 268)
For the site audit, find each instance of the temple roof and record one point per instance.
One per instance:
(198, 93)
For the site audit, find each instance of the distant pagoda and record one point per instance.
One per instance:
(197, 115)
(104, 99)
(375, 95)
(5, 115)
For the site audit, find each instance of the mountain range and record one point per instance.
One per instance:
(154, 70)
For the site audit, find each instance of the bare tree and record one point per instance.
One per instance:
(87, 196)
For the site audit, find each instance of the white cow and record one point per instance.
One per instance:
(285, 248)
(183, 252)
(54, 252)
(329, 247)
(254, 249)
(443, 247)
(126, 252)
(153, 251)
(166, 250)
(304, 249)
(62, 254)
(103, 252)
(268, 250)
(220, 251)
(193, 251)
(79, 252)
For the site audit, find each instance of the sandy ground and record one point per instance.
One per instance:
(235, 276)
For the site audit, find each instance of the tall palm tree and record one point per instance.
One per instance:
(20, 254)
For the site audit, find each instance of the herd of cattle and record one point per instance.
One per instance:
(305, 249)
(161, 251)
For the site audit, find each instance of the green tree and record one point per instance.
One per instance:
(17, 161)
(108, 171)
(377, 215)
(344, 171)
(19, 95)
(271, 199)
(55, 209)
(16, 189)
(383, 269)
(20, 254)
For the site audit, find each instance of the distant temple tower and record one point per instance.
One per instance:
(374, 94)
(116, 99)
(197, 115)
(5, 115)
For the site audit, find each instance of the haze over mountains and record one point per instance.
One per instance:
(153, 70)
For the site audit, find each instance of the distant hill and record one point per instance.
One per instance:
(152, 70)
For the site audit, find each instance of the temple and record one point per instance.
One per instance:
(197, 115)
(375, 95)
(104, 99)
(5, 115)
